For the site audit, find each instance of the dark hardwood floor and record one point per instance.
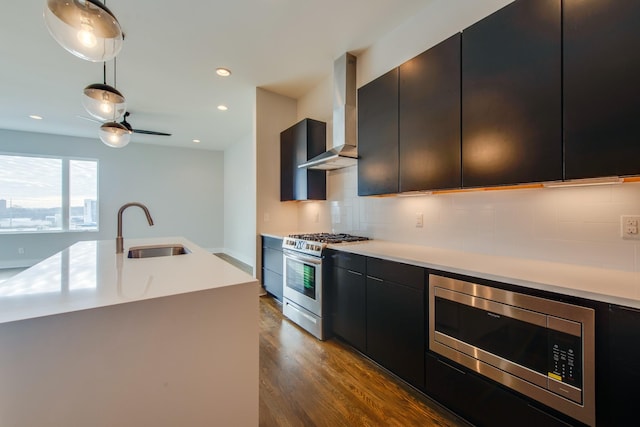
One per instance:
(307, 382)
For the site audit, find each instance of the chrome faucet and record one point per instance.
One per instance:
(119, 239)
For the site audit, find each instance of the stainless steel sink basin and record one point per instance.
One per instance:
(157, 250)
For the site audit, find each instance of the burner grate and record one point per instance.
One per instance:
(329, 237)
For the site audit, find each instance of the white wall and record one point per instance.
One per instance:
(183, 189)
(274, 113)
(578, 225)
(240, 200)
(571, 225)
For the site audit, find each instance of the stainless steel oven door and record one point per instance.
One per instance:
(302, 276)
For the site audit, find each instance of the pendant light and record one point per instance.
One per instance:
(114, 134)
(86, 28)
(102, 101)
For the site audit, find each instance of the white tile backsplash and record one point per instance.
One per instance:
(576, 225)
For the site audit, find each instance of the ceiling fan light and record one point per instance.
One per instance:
(86, 28)
(104, 102)
(114, 134)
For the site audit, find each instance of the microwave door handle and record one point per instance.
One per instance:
(303, 258)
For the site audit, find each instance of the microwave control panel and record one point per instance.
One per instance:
(565, 361)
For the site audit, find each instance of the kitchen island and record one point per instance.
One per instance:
(93, 338)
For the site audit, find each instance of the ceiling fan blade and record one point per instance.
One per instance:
(126, 124)
(150, 132)
(89, 119)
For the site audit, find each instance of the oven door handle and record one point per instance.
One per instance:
(301, 258)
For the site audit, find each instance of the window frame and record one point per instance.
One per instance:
(65, 193)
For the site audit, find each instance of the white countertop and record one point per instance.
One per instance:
(276, 235)
(611, 286)
(90, 275)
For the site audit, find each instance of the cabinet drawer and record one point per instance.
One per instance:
(272, 260)
(272, 242)
(482, 402)
(272, 283)
(404, 274)
(348, 261)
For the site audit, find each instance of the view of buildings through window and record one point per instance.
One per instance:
(40, 194)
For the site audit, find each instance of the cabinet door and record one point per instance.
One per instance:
(273, 283)
(272, 259)
(299, 143)
(348, 307)
(429, 119)
(623, 373)
(483, 402)
(601, 88)
(287, 164)
(378, 136)
(395, 328)
(272, 266)
(511, 96)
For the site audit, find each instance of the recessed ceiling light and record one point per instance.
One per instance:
(197, 141)
(35, 117)
(223, 107)
(224, 72)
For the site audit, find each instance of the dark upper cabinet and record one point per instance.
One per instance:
(299, 143)
(511, 96)
(601, 88)
(378, 135)
(429, 119)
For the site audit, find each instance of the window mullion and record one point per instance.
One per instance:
(65, 195)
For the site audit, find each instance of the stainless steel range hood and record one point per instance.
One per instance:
(344, 152)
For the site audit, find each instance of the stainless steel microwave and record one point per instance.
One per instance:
(539, 347)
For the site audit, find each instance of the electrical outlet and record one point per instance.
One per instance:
(419, 220)
(630, 227)
(20, 251)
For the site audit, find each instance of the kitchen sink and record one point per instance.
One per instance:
(157, 251)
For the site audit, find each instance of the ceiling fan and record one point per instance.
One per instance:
(146, 132)
(126, 124)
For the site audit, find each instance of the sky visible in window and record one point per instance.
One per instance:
(36, 182)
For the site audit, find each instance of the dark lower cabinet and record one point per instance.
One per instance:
(622, 374)
(396, 318)
(272, 266)
(480, 401)
(379, 307)
(378, 136)
(601, 88)
(512, 96)
(347, 299)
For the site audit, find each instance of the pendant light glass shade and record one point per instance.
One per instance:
(114, 134)
(86, 28)
(104, 102)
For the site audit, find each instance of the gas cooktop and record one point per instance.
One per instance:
(328, 237)
(314, 243)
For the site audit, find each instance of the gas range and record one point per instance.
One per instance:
(303, 294)
(314, 243)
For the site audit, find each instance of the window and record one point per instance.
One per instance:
(45, 194)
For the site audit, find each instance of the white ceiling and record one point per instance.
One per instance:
(166, 69)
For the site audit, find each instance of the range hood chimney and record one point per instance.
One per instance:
(344, 152)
